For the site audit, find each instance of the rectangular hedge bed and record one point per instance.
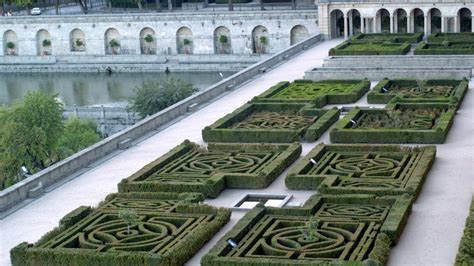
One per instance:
(271, 123)
(389, 37)
(318, 93)
(410, 90)
(350, 230)
(191, 168)
(444, 48)
(451, 37)
(398, 123)
(168, 230)
(363, 169)
(465, 254)
(370, 48)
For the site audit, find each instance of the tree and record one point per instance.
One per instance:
(129, 217)
(151, 97)
(78, 134)
(30, 131)
(83, 5)
(310, 230)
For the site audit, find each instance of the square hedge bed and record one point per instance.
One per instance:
(318, 93)
(425, 48)
(410, 90)
(350, 230)
(370, 48)
(363, 169)
(389, 37)
(451, 37)
(170, 228)
(191, 168)
(397, 123)
(271, 123)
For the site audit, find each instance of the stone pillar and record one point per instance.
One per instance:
(395, 23)
(351, 25)
(443, 24)
(425, 25)
(392, 27)
(346, 32)
(409, 28)
(374, 23)
(362, 24)
(472, 25)
(456, 22)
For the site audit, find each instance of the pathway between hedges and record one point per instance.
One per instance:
(433, 230)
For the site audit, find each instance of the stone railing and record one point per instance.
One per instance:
(35, 184)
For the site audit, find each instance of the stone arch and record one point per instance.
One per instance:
(184, 41)
(465, 19)
(354, 22)
(260, 40)
(383, 20)
(337, 23)
(147, 41)
(77, 41)
(10, 43)
(222, 40)
(418, 20)
(43, 43)
(112, 41)
(434, 20)
(298, 33)
(401, 20)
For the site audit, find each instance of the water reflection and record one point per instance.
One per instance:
(91, 89)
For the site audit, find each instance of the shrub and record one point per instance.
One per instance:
(10, 45)
(465, 254)
(113, 43)
(149, 38)
(223, 39)
(151, 97)
(78, 134)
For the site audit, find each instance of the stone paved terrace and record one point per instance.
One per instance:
(431, 236)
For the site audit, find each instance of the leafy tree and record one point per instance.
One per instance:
(151, 97)
(310, 230)
(129, 217)
(78, 134)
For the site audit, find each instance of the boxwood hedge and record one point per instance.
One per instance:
(451, 37)
(446, 47)
(465, 254)
(370, 48)
(388, 37)
(167, 229)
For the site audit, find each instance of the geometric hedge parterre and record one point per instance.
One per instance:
(355, 229)
(465, 254)
(191, 168)
(374, 169)
(318, 93)
(271, 123)
(170, 228)
(397, 123)
(409, 90)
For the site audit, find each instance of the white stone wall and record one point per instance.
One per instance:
(240, 24)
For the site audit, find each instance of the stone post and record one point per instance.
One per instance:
(409, 24)
(351, 24)
(374, 23)
(392, 27)
(425, 25)
(346, 32)
(362, 24)
(443, 24)
(456, 22)
(472, 25)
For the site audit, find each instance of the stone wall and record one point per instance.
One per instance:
(64, 31)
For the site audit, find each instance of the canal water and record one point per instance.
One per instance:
(80, 89)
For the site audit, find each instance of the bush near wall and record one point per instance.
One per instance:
(445, 48)
(451, 37)
(350, 230)
(191, 168)
(389, 37)
(370, 48)
(465, 254)
(168, 230)
(397, 123)
(318, 93)
(363, 169)
(410, 90)
(271, 123)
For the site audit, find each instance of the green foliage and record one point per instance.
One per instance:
(79, 43)
(46, 43)
(10, 45)
(149, 38)
(370, 48)
(187, 41)
(465, 254)
(263, 40)
(114, 43)
(151, 97)
(129, 216)
(78, 134)
(223, 39)
(445, 47)
(451, 37)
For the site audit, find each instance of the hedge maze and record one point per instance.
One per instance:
(318, 93)
(406, 90)
(191, 168)
(327, 230)
(272, 123)
(355, 169)
(167, 229)
(447, 43)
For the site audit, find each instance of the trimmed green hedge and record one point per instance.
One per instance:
(363, 169)
(167, 231)
(389, 37)
(318, 93)
(191, 168)
(409, 90)
(451, 37)
(370, 48)
(428, 123)
(271, 123)
(350, 230)
(465, 254)
(441, 49)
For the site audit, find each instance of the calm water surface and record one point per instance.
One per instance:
(91, 89)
